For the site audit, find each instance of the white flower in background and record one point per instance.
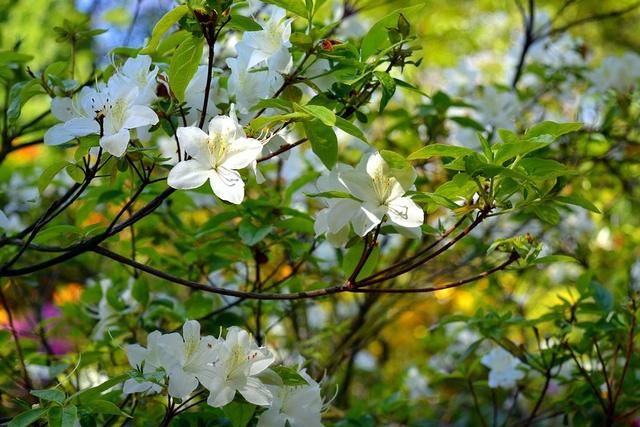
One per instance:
(216, 158)
(503, 368)
(634, 276)
(379, 193)
(187, 359)
(139, 73)
(416, 383)
(110, 107)
(106, 314)
(169, 148)
(271, 44)
(620, 73)
(20, 194)
(148, 360)
(497, 108)
(249, 86)
(10, 223)
(194, 95)
(296, 406)
(238, 361)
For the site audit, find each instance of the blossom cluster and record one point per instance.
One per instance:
(223, 367)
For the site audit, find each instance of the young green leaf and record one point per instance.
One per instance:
(323, 142)
(184, 64)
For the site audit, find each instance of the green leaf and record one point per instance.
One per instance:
(388, 88)
(576, 200)
(239, 413)
(550, 259)
(552, 128)
(62, 416)
(9, 56)
(295, 6)
(27, 418)
(184, 64)
(323, 142)
(321, 113)
(163, 25)
(543, 168)
(352, 256)
(467, 122)
(49, 173)
(376, 38)
(290, 376)
(547, 213)
(50, 395)
(440, 150)
(90, 394)
(509, 150)
(101, 406)
(243, 23)
(19, 94)
(250, 234)
(350, 128)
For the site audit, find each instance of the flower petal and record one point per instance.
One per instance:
(227, 184)
(181, 384)
(57, 135)
(194, 142)
(256, 392)
(116, 144)
(140, 115)
(241, 153)
(188, 174)
(405, 212)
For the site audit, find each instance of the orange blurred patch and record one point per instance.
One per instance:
(283, 272)
(26, 154)
(4, 319)
(94, 218)
(67, 293)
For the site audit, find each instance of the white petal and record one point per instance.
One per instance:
(57, 134)
(256, 392)
(188, 174)
(62, 108)
(241, 153)
(181, 384)
(82, 126)
(116, 144)
(194, 142)
(227, 184)
(140, 115)
(225, 128)
(340, 213)
(136, 354)
(404, 212)
(191, 333)
(218, 397)
(366, 219)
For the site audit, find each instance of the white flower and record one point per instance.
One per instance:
(271, 44)
(149, 360)
(249, 86)
(497, 108)
(108, 110)
(416, 383)
(634, 276)
(187, 359)
(238, 361)
(215, 157)
(138, 72)
(296, 406)
(194, 95)
(620, 73)
(503, 368)
(380, 193)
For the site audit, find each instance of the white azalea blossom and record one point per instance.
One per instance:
(109, 110)
(503, 368)
(249, 86)
(620, 73)
(237, 363)
(194, 95)
(139, 72)
(215, 157)
(378, 194)
(271, 44)
(296, 406)
(187, 359)
(149, 360)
